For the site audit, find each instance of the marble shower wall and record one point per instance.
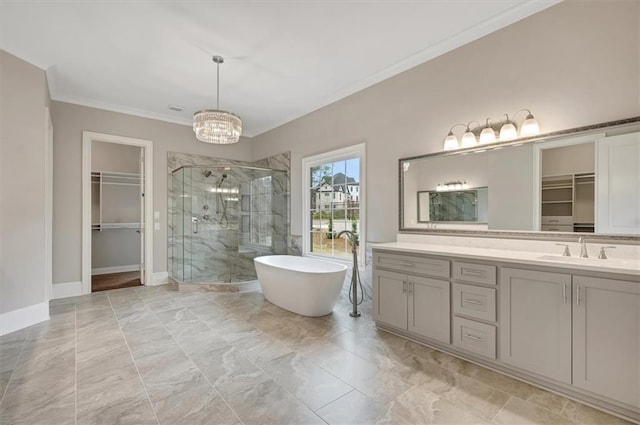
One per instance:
(222, 246)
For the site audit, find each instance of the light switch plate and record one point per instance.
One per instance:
(156, 226)
(156, 215)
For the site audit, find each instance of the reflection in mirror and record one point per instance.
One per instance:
(583, 180)
(457, 206)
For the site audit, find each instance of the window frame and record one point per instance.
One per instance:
(350, 152)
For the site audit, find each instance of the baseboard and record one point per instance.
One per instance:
(159, 278)
(66, 290)
(23, 317)
(115, 269)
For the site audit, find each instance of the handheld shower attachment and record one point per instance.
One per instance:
(224, 221)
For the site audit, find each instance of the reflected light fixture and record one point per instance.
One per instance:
(215, 125)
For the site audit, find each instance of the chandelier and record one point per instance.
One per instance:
(214, 125)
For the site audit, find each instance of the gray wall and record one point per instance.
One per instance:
(68, 122)
(574, 64)
(22, 184)
(115, 157)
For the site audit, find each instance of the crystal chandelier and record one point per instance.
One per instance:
(214, 125)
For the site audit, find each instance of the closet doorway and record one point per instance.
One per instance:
(117, 208)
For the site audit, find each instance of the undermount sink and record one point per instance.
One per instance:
(611, 262)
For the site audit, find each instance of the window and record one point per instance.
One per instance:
(333, 202)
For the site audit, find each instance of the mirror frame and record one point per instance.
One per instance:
(515, 234)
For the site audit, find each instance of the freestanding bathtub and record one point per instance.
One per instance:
(303, 285)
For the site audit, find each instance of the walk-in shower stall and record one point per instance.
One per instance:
(222, 218)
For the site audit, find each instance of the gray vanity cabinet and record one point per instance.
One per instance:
(408, 299)
(535, 332)
(606, 338)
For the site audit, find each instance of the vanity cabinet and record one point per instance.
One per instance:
(409, 301)
(606, 338)
(535, 332)
(574, 331)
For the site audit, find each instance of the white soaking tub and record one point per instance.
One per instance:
(306, 286)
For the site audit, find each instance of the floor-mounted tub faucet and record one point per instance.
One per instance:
(354, 273)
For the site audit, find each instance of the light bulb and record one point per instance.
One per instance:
(469, 139)
(487, 136)
(450, 142)
(458, 186)
(508, 132)
(529, 127)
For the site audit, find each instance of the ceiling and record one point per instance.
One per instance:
(283, 59)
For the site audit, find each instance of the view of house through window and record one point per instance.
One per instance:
(333, 206)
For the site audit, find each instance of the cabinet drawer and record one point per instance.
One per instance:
(558, 220)
(474, 273)
(479, 338)
(556, 228)
(474, 301)
(412, 265)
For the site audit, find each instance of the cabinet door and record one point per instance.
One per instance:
(606, 338)
(429, 308)
(535, 315)
(390, 298)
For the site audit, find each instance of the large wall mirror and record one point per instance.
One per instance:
(584, 180)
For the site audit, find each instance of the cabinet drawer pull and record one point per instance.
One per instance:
(471, 272)
(472, 302)
(564, 292)
(578, 296)
(473, 337)
(408, 264)
(410, 288)
(404, 286)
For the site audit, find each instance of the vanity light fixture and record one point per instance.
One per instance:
(508, 132)
(469, 138)
(214, 125)
(488, 134)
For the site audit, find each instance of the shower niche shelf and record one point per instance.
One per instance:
(115, 200)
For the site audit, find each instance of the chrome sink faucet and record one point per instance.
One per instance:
(583, 248)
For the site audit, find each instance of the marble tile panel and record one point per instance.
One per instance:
(520, 412)
(309, 383)
(356, 408)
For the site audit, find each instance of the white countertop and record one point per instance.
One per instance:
(611, 265)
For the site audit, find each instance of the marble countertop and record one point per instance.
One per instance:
(611, 265)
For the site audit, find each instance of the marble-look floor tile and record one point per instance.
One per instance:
(421, 407)
(356, 408)
(550, 401)
(268, 403)
(309, 383)
(581, 414)
(520, 412)
(365, 376)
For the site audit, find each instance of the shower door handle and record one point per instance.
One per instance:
(194, 220)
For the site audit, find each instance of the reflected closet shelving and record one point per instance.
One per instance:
(568, 202)
(115, 200)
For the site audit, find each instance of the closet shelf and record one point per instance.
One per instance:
(557, 202)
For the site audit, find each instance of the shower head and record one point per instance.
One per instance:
(222, 177)
(207, 173)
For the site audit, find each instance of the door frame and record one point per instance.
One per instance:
(48, 202)
(87, 138)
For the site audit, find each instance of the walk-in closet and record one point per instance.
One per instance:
(116, 206)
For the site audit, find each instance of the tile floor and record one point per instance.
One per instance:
(161, 356)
